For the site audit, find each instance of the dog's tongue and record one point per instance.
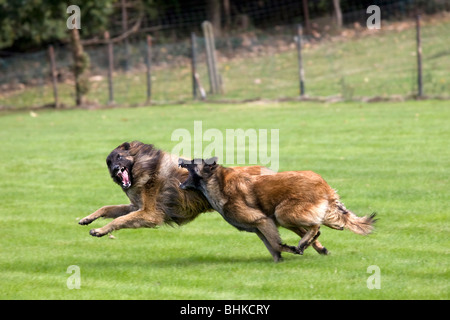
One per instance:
(125, 178)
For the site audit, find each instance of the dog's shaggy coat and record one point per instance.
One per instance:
(300, 201)
(150, 178)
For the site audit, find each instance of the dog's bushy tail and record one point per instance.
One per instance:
(341, 218)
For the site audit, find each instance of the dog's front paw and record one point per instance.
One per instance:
(96, 233)
(85, 221)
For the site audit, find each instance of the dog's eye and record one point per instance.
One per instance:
(119, 158)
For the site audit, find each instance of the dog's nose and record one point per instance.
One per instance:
(116, 167)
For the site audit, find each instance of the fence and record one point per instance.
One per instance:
(354, 63)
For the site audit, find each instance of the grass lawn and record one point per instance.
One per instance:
(392, 158)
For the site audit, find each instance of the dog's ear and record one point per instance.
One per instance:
(212, 161)
(125, 146)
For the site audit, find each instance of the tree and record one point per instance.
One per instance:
(213, 14)
(306, 15)
(81, 65)
(36, 23)
(338, 13)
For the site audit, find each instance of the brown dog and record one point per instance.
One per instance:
(150, 177)
(296, 200)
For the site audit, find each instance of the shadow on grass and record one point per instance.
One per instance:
(212, 260)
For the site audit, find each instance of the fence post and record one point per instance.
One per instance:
(214, 80)
(301, 71)
(149, 69)
(194, 64)
(419, 58)
(51, 54)
(110, 68)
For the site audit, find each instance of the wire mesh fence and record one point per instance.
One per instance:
(354, 63)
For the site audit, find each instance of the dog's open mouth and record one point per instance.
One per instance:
(124, 176)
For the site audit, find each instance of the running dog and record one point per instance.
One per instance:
(150, 178)
(300, 201)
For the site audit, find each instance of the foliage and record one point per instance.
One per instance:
(33, 23)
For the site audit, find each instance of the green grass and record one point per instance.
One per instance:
(392, 158)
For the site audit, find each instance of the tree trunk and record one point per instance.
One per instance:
(123, 3)
(307, 28)
(227, 11)
(338, 13)
(81, 65)
(213, 15)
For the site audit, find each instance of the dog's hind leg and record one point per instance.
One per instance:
(270, 231)
(310, 236)
(275, 254)
(315, 244)
(108, 212)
